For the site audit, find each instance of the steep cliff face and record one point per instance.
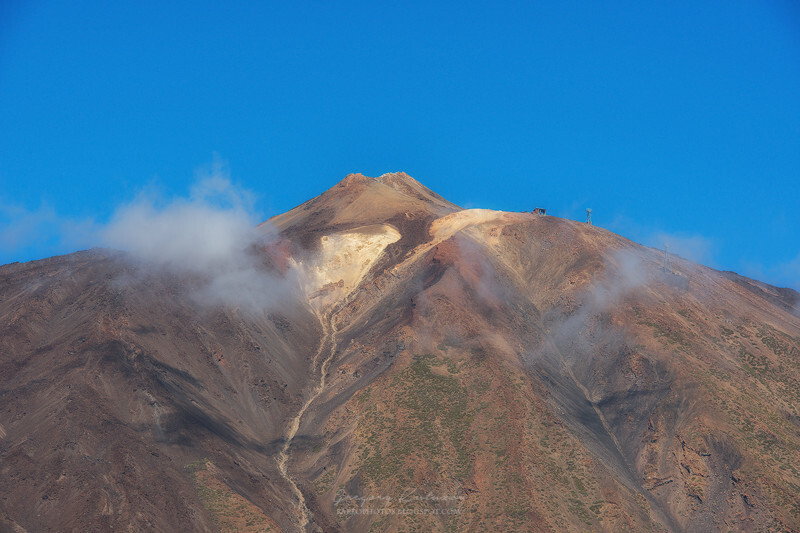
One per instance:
(431, 368)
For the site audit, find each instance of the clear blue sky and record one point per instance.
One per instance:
(672, 120)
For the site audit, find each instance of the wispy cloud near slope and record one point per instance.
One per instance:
(197, 234)
(210, 234)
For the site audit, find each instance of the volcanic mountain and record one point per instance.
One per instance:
(423, 368)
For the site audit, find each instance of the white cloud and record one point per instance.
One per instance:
(689, 245)
(191, 235)
(211, 235)
(790, 272)
(19, 226)
(575, 333)
(693, 247)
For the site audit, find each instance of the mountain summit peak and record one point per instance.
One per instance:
(359, 200)
(395, 180)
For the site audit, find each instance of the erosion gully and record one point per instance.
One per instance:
(328, 341)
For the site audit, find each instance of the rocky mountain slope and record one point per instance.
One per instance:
(426, 368)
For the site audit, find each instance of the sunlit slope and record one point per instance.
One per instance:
(554, 373)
